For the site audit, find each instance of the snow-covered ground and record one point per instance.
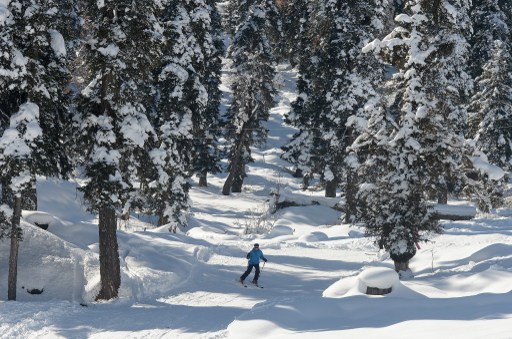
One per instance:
(184, 285)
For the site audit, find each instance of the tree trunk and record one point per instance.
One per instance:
(29, 200)
(350, 197)
(203, 182)
(442, 195)
(226, 189)
(13, 257)
(401, 266)
(162, 219)
(125, 216)
(330, 188)
(297, 173)
(305, 181)
(235, 176)
(238, 178)
(235, 179)
(110, 270)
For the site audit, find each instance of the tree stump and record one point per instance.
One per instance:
(377, 280)
(378, 291)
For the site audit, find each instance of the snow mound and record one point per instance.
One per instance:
(355, 234)
(280, 230)
(313, 237)
(491, 251)
(377, 277)
(46, 264)
(38, 218)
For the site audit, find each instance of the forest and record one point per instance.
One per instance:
(400, 104)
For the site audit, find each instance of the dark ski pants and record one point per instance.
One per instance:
(248, 271)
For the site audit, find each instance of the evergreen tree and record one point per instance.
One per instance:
(253, 92)
(358, 76)
(33, 104)
(180, 98)
(299, 27)
(274, 28)
(430, 50)
(236, 14)
(490, 110)
(115, 132)
(296, 18)
(491, 107)
(489, 24)
(334, 86)
(316, 68)
(422, 155)
(207, 29)
(390, 200)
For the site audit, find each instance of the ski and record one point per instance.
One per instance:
(241, 283)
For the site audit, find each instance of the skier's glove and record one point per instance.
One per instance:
(265, 260)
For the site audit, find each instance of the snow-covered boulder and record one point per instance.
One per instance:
(313, 237)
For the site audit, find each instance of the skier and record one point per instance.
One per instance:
(254, 257)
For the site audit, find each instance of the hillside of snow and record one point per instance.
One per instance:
(184, 285)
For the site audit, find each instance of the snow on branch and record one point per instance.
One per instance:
(493, 172)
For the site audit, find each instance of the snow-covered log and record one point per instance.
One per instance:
(454, 212)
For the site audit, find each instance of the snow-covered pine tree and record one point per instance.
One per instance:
(390, 201)
(206, 27)
(423, 153)
(37, 53)
(491, 44)
(491, 107)
(489, 23)
(357, 76)
(298, 24)
(236, 13)
(490, 111)
(295, 16)
(253, 94)
(430, 50)
(114, 131)
(183, 107)
(331, 87)
(33, 105)
(328, 57)
(274, 28)
(316, 72)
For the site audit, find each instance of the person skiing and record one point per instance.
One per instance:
(254, 257)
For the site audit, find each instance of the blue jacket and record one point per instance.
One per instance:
(254, 257)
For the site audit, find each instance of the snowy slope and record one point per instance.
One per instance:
(184, 285)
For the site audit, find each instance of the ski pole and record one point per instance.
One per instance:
(261, 271)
